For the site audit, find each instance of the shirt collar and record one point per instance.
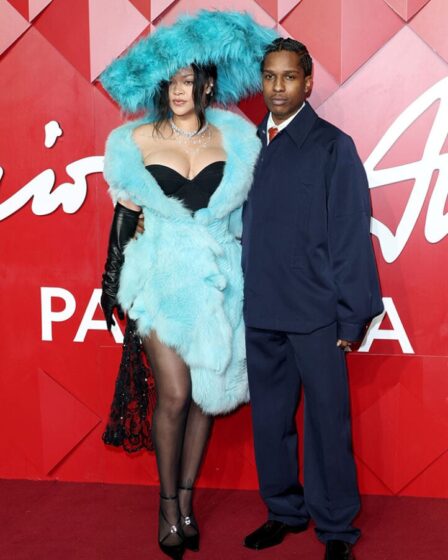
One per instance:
(283, 124)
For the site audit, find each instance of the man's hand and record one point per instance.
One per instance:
(346, 345)
(140, 224)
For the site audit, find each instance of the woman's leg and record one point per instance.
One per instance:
(173, 386)
(196, 436)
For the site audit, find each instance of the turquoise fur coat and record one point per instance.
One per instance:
(182, 277)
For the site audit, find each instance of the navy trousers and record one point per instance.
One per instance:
(279, 364)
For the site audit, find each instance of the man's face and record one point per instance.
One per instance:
(285, 86)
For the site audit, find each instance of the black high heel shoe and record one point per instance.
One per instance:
(190, 541)
(174, 551)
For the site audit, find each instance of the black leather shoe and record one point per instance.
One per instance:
(271, 533)
(339, 550)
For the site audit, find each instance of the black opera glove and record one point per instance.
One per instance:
(123, 229)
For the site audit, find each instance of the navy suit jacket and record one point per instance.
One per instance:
(307, 254)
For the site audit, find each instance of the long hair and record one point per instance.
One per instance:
(202, 75)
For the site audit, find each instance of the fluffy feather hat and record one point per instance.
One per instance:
(232, 41)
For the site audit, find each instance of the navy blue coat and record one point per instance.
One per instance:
(307, 254)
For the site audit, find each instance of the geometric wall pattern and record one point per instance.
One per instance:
(381, 69)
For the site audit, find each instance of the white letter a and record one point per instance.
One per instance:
(396, 333)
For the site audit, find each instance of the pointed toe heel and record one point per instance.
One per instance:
(174, 551)
(189, 522)
(192, 542)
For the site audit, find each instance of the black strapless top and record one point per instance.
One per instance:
(194, 193)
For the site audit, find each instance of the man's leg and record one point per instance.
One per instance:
(331, 493)
(274, 384)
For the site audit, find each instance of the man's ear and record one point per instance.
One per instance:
(308, 85)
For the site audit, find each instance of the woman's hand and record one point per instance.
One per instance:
(108, 304)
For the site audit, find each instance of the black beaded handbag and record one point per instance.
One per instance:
(130, 418)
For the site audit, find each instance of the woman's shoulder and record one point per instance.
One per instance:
(143, 133)
(124, 132)
(147, 134)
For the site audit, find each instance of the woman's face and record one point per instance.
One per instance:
(180, 92)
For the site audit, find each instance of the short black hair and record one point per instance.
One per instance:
(280, 44)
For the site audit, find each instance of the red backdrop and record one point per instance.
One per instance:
(381, 74)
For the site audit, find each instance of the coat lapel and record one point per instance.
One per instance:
(242, 146)
(262, 130)
(299, 128)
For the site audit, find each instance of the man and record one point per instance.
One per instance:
(311, 287)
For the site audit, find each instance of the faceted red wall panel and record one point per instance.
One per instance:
(381, 73)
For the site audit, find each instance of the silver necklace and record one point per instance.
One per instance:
(186, 133)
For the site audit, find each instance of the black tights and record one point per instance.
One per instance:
(180, 431)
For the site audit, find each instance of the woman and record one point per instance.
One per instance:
(188, 170)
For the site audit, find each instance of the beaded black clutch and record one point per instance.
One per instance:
(130, 418)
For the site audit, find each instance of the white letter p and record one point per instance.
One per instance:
(48, 315)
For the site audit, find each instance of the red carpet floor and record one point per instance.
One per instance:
(68, 521)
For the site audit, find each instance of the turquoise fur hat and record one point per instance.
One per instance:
(232, 41)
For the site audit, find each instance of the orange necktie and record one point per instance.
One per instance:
(273, 131)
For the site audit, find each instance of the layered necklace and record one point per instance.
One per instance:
(199, 139)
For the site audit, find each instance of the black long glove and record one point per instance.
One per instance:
(123, 229)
